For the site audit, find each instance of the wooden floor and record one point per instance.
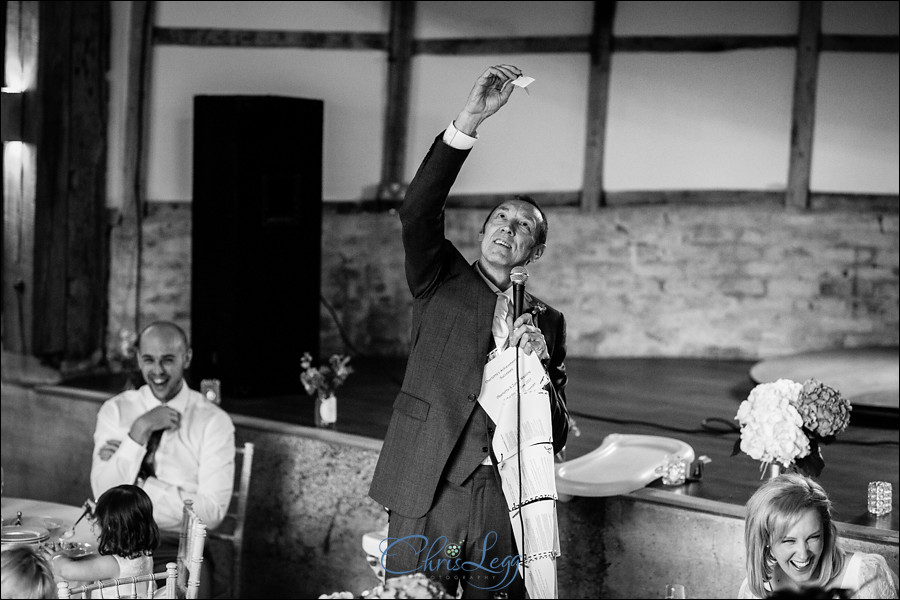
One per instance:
(665, 397)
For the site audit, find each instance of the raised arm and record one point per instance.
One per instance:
(215, 480)
(118, 452)
(490, 92)
(422, 212)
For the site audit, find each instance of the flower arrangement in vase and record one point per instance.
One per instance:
(323, 381)
(784, 423)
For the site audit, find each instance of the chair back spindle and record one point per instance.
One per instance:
(130, 584)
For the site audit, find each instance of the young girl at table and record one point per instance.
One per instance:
(26, 574)
(793, 547)
(126, 534)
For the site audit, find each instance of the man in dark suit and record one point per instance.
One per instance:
(436, 475)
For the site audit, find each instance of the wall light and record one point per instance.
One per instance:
(11, 106)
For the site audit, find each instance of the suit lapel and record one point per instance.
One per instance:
(528, 301)
(484, 318)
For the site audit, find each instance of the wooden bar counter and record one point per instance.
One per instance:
(309, 508)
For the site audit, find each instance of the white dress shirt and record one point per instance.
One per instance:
(499, 327)
(455, 138)
(195, 461)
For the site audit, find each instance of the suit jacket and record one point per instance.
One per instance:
(453, 310)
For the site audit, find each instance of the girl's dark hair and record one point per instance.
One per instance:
(125, 513)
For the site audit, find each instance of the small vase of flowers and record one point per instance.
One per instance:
(323, 381)
(784, 423)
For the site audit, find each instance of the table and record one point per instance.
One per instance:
(38, 508)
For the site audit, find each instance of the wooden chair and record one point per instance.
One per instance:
(232, 528)
(190, 552)
(372, 545)
(125, 586)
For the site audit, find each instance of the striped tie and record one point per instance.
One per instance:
(500, 328)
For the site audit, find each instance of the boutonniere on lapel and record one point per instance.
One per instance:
(537, 310)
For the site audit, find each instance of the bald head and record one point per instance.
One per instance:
(164, 329)
(163, 355)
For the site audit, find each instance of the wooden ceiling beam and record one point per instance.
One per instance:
(264, 38)
(597, 106)
(803, 113)
(396, 123)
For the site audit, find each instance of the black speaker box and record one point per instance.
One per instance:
(257, 230)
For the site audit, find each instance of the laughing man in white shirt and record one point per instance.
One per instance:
(195, 455)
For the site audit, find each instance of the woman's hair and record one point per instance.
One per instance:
(125, 513)
(26, 574)
(772, 510)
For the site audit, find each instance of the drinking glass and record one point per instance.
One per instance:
(674, 471)
(880, 497)
(674, 590)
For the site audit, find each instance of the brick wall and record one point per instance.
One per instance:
(693, 281)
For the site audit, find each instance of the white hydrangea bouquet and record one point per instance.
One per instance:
(785, 422)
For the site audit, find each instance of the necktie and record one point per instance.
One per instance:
(148, 465)
(500, 328)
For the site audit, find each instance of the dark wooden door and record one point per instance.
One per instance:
(257, 229)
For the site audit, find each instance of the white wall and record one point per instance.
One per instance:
(676, 121)
(534, 144)
(855, 140)
(699, 121)
(351, 83)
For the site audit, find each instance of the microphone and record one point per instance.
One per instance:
(518, 276)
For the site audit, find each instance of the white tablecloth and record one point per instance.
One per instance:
(38, 508)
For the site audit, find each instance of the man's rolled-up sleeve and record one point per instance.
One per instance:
(215, 480)
(123, 466)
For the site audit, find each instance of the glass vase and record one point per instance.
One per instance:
(771, 470)
(326, 410)
(774, 469)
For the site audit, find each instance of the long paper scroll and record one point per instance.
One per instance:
(534, 509)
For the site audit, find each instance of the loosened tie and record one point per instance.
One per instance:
(148, 465)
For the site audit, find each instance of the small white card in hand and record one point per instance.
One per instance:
(523, 81)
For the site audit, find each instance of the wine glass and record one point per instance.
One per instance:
(674, 590)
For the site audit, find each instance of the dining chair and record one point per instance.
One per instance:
(190, 552)
(371, 545)
(125, 587)
(231, 530)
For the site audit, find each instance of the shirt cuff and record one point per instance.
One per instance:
(455, 138)
(131, 449)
